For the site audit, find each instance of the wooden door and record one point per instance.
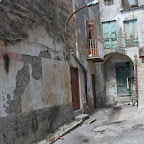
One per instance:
(93, 88)
(122, 72)
(75, 88)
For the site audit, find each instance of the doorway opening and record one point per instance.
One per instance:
(75, 88)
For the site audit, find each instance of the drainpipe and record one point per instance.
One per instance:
(136, 80)
(85, 77)
(76, 56)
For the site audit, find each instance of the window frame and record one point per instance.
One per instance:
(132, 41)
(113, 41)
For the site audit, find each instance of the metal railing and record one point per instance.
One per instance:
(92, 48)
(95, 48)
(121, 42)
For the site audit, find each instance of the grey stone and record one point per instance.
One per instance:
(82, 117)
(27, 128)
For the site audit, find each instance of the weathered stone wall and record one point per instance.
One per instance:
(35, 62)
(82, 47)
(110, 76)
(35, 84)
(19, 17)
(141, 86)
(121, 13)
(35, 87)
(100, 85)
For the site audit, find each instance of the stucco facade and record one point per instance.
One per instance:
(121, 13)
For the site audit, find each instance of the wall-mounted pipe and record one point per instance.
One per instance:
(85, 76)
(136, 80)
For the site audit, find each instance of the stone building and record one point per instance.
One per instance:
(122, 23)
(42, 81)
(47, 80)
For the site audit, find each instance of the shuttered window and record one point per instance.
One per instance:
(110, 34)
(131, 33)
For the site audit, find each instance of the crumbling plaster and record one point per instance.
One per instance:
(36, 93)
(38, 98)
(120, 14)
(81, 17)
(110, 75)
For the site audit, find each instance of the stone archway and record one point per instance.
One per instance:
(117, 67)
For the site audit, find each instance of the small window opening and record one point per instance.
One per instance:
(108, 2)
(133, 3)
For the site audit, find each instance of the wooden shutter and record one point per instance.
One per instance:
(110, 34)
(131, 33)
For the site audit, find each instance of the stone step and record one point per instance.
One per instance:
(123, 99)
(90, 120)
(82, 117)
(77, 112)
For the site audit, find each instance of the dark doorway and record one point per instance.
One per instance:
(122, 72)
(93, 88)
(75, 88)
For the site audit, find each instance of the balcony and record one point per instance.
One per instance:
(95, 50)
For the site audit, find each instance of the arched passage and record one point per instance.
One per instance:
(117, 67)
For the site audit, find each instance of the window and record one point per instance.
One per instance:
(91, 38)
(108, 2)
(110, 34)
(131, 33)
(133, 3)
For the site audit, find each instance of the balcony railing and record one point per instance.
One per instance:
(94, 52)
(92, 48)
(121, 42)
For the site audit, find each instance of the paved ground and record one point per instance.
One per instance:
(118, 125)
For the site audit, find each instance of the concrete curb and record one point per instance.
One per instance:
(61, 132)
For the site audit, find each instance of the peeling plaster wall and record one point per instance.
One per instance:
(120, 15)
(141, 85)
(110, 76)
(35, 94)
(82, 49)
(100, 85)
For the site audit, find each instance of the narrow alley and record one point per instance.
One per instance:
(71, 71)
(116, 125)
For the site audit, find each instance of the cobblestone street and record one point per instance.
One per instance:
(117, 125)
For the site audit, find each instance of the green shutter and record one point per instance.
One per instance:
(110, 34)
(131, 33)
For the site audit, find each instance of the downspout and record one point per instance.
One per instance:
(76, 56)
(136, 80)
(85, 76)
